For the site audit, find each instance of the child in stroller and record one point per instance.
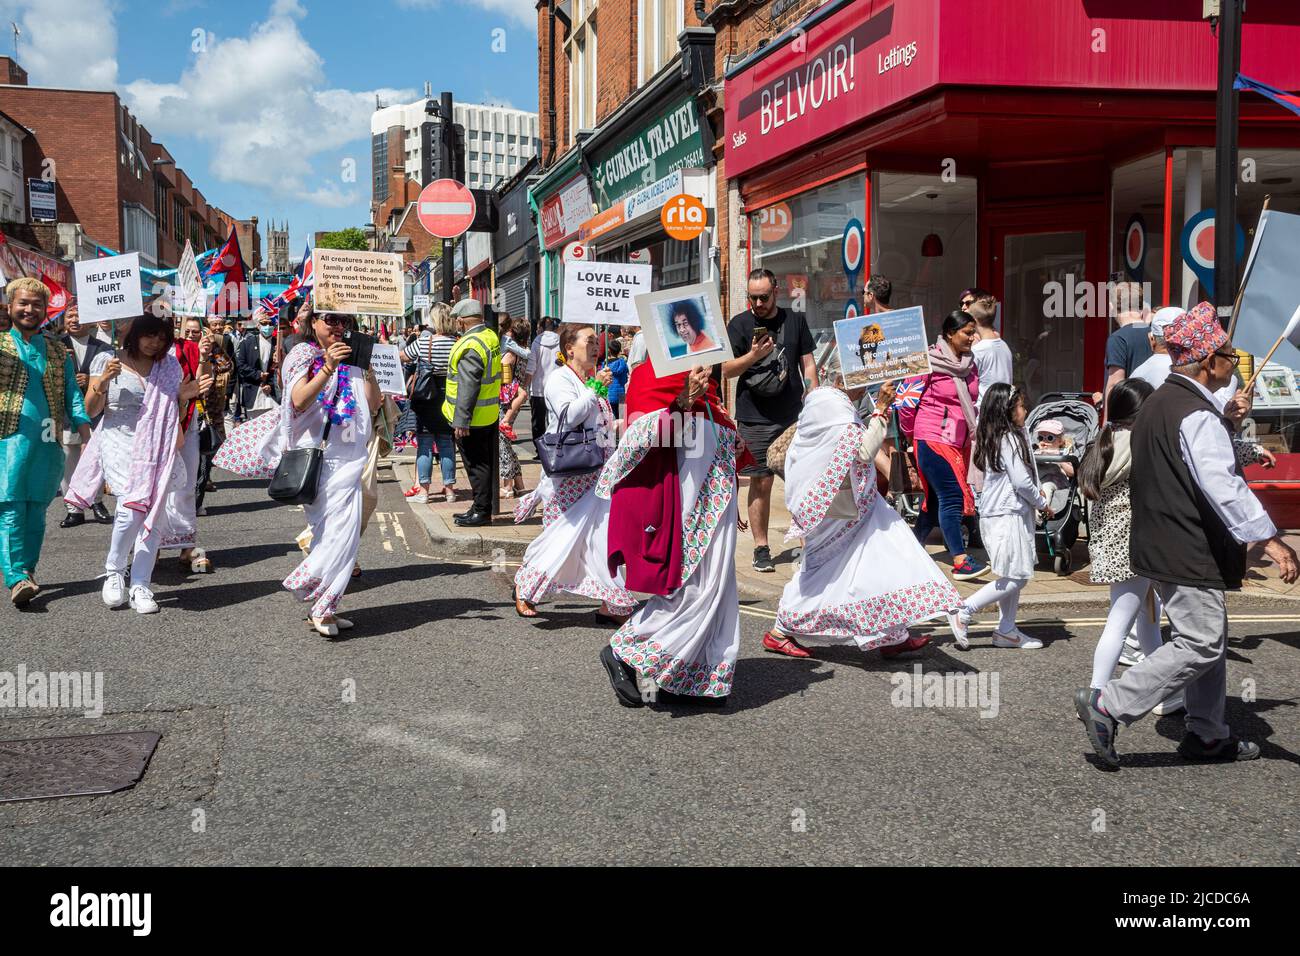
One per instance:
(1063, 425)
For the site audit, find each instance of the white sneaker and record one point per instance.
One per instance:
(422, 498)
(114, 592)
(142, 600)
(1170, 705)
(1132, 652)
(1017, 638)
(960, 624)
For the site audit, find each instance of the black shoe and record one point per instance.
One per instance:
(465, 514)
(763, 559)
(101, 513)
(1101, 726)
(1229, 749)
(72, 519)
(622, 678)
(475, 519)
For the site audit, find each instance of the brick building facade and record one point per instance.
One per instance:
(149, 205)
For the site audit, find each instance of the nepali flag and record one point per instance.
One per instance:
(60, 299)
(1289, 100)
(229, 263)
(909, 393)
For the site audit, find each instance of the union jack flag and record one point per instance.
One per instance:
(1280, 97)
(909, 392)
(271, 304)
(302, 282)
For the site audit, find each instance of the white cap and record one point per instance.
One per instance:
(1163, 319)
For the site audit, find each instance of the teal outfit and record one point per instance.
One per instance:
(31, 462)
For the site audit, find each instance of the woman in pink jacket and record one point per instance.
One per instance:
(945, 421)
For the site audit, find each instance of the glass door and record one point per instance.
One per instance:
(1042, 276)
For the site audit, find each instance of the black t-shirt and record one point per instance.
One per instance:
(783, 408)
(1128, 347)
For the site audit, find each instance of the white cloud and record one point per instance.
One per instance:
(64, 43)
(260, 102)
(523, 12)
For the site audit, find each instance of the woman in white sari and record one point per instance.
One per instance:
(673, 517)
(571, 553)
(318, 384)
(863, 577)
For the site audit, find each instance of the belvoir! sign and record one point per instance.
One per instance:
(844, 67)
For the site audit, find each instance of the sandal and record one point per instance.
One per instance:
(196, 563)
(522, 607)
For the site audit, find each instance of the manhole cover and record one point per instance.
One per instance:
(93, 764)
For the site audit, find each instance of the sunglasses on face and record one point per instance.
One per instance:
(760, 298)
(332, 319)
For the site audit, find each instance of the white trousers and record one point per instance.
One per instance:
(1128, 604)
(127, 546)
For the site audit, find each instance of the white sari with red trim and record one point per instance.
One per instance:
(687, 642)
(572, 552)
(253, 450)
(864, 579)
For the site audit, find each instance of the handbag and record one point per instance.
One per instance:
(297, 476)
(570, 451)
(423, 380)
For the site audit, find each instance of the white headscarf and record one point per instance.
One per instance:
(824, 450)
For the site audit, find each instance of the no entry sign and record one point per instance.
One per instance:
(446, 208)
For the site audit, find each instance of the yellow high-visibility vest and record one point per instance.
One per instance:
(487, 407)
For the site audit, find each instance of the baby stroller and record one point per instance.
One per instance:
(1056, 535)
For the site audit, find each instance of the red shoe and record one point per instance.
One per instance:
(779, 644)
(414, 490)
(508, 431)
(911, 644)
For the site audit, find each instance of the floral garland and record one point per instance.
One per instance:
(344, 408)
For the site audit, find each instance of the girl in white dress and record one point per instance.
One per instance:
(863, 577)
(571, 554)
(134, 451)
(1010, 497)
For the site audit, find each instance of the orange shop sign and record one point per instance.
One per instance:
(683, 217)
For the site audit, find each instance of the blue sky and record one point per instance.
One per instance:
(265, 102)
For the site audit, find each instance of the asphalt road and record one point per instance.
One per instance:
(477, 737)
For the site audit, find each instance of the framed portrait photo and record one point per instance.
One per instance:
(684, 328)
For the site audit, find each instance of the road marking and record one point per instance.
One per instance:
(401, 534)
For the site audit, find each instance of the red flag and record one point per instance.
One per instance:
(233, 297)
(60, 299)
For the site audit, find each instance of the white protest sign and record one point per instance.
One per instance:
(191, 297)
(109, 288)
(604, 293)
(386, 363)
(356, 283)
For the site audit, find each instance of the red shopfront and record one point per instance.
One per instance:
(1009, 145)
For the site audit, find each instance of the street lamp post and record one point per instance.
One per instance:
(1228, 26)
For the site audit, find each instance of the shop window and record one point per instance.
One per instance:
(801, 240)
(923, 240)
(658, 23)
(1138, 199)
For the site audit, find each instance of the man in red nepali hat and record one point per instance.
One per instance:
(1193, 516)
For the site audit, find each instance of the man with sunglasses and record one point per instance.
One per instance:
(774, 355)
(1192, 517)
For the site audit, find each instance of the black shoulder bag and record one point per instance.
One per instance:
(570, 451)
(298, 474)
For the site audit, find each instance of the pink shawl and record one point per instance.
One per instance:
(153, 450)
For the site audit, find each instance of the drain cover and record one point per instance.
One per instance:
(46, 767)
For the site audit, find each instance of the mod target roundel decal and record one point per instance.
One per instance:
(854, 245)
(1135, 246)
(850, 309)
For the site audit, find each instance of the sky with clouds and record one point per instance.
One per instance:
(266, 103)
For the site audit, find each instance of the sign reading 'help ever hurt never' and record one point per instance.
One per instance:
(604, 293)
(109, 288)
